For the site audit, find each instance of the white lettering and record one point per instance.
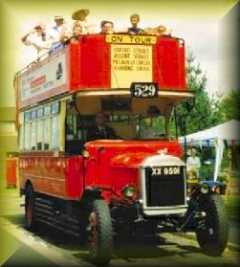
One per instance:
(165, 170)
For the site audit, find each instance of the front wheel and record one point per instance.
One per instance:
(100, 239)
(212, 234)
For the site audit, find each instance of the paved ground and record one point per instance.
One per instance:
(51, 248)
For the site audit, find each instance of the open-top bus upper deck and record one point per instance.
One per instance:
(106, 65)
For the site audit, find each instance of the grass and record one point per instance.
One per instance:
(232, 204)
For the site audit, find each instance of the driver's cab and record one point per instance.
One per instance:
(130, 118)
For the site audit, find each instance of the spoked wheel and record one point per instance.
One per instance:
(212, 234)
(29, 209)
(100, 233)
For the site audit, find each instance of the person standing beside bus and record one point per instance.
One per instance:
(193, 164)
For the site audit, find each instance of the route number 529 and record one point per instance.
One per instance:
(143, 90)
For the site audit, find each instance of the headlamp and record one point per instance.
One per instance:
(204, 189)
(129, 191)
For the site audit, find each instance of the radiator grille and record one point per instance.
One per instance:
(164, 190)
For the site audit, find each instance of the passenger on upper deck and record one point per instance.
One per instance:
(135, 19)
(158, 31)
(39, 39)
(59, 29)
(58, 32)
(77, 31)
(79, 18)
(101, 130)
(107, 27)
(79, 26)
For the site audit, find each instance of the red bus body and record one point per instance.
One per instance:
(88, 67)
(112, 168)
(102, 189)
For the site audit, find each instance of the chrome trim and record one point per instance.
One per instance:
(169, 211)
(125, 91)
(156, 161)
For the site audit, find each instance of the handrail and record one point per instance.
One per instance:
(41, 58)
(66, 43)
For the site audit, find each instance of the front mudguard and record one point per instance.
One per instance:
(194, 215)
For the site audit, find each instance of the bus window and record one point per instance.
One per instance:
(153, 127)
(27, 130)
(40, 128)
(33, 135)
(21, 131)
(54, 132)
(73, 130)
(27, 136)
(55, 137)
(46, 127)
(46, 133)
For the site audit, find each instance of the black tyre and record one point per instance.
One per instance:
(212, 236)
(100, 239)
(30, 221)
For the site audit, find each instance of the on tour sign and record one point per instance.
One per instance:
(130, 39)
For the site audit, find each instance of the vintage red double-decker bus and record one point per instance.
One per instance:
(99, 189)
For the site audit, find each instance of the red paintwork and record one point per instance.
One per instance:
(91, 64)
(88, 67)
(11, 172)
(114, 163)
(169, 64)
(57, 176)
(111, 165)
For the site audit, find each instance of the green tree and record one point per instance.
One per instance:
(230, 106)
(203, 112)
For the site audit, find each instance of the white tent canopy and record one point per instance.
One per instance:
(226, 131)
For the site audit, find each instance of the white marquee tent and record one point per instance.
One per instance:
(215, 136)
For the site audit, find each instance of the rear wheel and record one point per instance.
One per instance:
(30, 221)
(100, 239)
(212, 234)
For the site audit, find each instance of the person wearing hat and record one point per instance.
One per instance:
(80, 20)
(59, 32)
(38, 38)
(58, 29)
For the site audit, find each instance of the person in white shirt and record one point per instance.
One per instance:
(59, 31)
(39, 39)
(193, 163)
